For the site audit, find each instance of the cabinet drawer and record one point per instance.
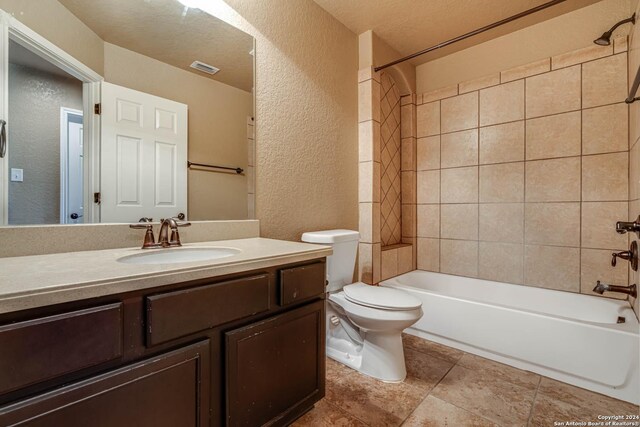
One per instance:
(168, 390)
(301, 283)
(41, 349)
(176, 314)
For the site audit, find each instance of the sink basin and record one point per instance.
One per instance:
(178, 255)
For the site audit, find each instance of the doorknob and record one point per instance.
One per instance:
(75, 216)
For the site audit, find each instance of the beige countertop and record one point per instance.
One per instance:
(40, 280)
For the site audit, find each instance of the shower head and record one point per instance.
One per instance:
(605, 38)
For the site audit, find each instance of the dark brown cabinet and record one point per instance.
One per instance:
(275, 367)
(241, 350)
(170, 390)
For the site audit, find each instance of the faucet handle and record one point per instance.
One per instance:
(149, 240)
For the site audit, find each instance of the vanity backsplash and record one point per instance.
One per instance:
(51, 239)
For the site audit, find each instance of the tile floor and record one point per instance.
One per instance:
(448, 387)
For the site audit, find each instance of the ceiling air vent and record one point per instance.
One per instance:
(205, 68)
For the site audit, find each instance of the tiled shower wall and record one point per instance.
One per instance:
(522, 175)
(390, 183)
(634, 152)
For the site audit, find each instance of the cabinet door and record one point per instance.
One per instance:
(275, 368)
(165, 391)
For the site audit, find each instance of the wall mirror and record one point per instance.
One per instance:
(119, 110)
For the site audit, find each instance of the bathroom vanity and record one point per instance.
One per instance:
(236, 341)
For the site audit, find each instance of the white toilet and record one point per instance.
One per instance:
(364, 323)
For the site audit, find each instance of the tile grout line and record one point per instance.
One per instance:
(533, 402)
(432, 388)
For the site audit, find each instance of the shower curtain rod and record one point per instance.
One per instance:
(472, 33)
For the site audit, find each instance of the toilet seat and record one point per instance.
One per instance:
(380, 297)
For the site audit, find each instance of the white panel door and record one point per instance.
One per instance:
(143, 169)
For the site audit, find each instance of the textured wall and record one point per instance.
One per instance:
(523, 174)
(55, 23)
(564, 33)
(634, 145)
(217, 127)
(35, 99)
(306, 115)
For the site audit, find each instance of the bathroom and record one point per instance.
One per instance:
(485, 185)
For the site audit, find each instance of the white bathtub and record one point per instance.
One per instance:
(570, 337)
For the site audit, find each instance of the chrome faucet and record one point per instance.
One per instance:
(164, 239)
(601, 288)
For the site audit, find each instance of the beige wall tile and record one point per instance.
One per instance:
(503, 103)
(634, 172)
(460, 112)
(428, 119)
(542, 269)
(605, 129)
(552, 224)
(599, 225)
(604, 81)
(634, 121)
(369, 222)
(428, 186)
(365, 262)
(408, 183)
(581, 55)
(369, 182)
(460, 185)
(428, 221)
(435, 95)
(596, 265)
(408, 154)
(527, 70)
(369, 101)
(605, 177)
(554, 92)
(405, 259)
(459, 149)
(428, 254)
(502, 262)
(459, 257)
(459, 221)
(408, 121)
(389, 259)
(502, 183)
(502, 222)
(428, 153)
(479, 83)
(502, 143)
(369, 141)
(620, 44)
(408, 220)
(556, 180)
(554, 136)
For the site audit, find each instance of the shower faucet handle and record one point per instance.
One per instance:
(631, 255)
(623, 227)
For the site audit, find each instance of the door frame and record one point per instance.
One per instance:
(12, 29)
(65, 112)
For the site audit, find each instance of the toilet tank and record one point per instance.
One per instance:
(340, 265)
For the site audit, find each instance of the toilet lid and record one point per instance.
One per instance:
(380, 297)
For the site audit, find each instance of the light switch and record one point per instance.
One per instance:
(17, 175)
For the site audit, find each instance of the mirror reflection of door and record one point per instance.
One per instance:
(38, 92)
(71, 167)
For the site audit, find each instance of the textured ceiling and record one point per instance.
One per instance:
(166, 31)
(409, 26)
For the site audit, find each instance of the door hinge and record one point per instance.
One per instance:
(96, 198)
(97, 108)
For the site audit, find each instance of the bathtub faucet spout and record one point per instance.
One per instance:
(601, 288)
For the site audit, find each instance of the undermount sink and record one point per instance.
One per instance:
(178, 255)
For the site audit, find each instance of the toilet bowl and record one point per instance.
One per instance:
(364, 322)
